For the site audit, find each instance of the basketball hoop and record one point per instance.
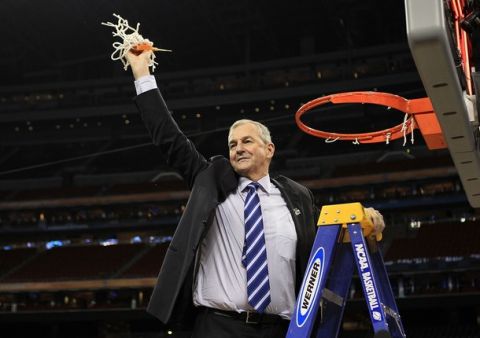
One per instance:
(419, 114)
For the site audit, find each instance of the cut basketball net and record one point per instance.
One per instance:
(418, 114)
(131, 41)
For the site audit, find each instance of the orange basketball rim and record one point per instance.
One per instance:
(420, 115)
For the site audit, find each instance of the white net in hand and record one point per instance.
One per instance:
(131, 38)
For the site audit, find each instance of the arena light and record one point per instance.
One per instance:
(110, 241)
(52, 244)
(159, 239)
(136, 239)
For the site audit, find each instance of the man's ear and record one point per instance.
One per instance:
(270, 150)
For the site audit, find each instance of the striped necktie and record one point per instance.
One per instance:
(255, 252)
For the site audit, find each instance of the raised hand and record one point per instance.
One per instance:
(139, 61)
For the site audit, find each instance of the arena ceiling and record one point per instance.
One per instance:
(53, 46)
(44, 40)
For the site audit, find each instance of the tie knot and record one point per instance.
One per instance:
(253, 186)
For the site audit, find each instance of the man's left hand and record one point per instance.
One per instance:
(377, 220)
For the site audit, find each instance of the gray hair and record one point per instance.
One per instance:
(263, 130)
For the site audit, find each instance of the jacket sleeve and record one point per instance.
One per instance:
(179, 152)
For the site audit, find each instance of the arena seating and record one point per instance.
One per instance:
(438, 240)
(148, 264)
(10, 259)
(76, 263)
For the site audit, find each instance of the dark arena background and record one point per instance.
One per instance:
(88, 205)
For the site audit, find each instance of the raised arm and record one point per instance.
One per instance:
(179, 152)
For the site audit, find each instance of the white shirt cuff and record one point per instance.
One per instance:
(145, 83)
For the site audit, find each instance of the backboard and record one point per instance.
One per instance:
(433, 44)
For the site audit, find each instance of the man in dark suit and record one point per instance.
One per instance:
(239, 265)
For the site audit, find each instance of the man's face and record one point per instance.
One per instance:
(249, 155)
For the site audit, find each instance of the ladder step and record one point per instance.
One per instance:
(332, 297)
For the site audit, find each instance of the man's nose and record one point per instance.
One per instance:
(239, 148)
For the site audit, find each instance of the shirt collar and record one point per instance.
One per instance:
(264, 182)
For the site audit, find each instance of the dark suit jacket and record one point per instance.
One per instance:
(210, 181)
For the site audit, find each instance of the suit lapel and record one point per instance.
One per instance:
(292, 199)
(225, 176)
(295, 203)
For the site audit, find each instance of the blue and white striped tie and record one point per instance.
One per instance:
(255, 252)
